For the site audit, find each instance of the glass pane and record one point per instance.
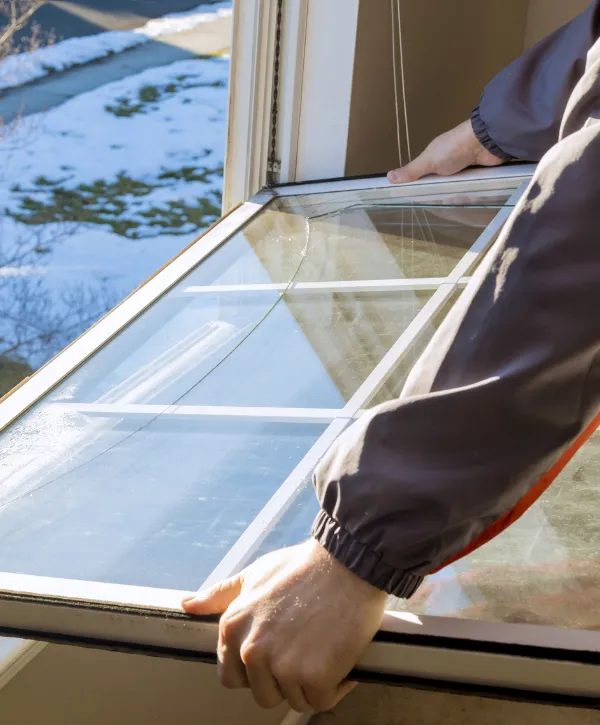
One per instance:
(313, 350)
(368, 235)
(544, 570)
(248, 349)
(295, 526)
(136, 492)
(393, 385)
(155, 502)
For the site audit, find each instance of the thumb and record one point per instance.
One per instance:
(214, 600)
(411, 172)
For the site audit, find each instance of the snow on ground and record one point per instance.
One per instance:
(138, 163)
(25, 67)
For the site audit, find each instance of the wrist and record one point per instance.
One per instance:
(346, 579)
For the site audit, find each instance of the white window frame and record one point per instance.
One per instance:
(316, 69)
(543, 661)
(250, 98)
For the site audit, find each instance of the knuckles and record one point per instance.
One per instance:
(259, 649)
(254, 653)
(230, 627)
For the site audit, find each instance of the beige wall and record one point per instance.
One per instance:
(452, 48)
(71, 686)
(377, 705)
(545, 16)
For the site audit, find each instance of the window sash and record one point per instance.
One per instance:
(427, 649)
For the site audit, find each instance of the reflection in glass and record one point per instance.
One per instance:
(120, 475)
(155, 502)
(545, 569)
(294, 526)
(393, 385)
(369, 235)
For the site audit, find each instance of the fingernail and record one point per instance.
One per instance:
(189, 599)
(392, 177)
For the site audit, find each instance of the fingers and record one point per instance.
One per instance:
(231, 669)
(214, 600)
(265, 688)
(414, 171)
(296, 698)
(291, 686)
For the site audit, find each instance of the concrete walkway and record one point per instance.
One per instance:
(46, 93)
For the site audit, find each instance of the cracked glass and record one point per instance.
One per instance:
(147, 464)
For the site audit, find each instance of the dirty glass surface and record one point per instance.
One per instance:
(545, 569)
(147, 464)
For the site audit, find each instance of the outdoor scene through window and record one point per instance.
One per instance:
(111, 156)
(112, 137)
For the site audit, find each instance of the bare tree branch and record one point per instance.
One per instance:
(37, 319)
(18, 14)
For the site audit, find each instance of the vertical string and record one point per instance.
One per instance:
(404, 97)
(395, 66)
(406, 124)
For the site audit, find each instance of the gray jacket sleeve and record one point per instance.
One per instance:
(520, 113)
(507, 386)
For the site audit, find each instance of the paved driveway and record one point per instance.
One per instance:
(85, 17)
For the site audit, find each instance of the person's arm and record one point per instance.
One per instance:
(509, 382)
(521, 109)
(511, 379)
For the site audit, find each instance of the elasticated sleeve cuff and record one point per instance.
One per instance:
(361, 560)
(481, 131)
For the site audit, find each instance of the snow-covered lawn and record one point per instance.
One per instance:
(100, 192)
(25, 67)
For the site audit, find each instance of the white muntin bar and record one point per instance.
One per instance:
(91, 341)
(380, 374)
(374, 285)
(180, 412)
(484, 241)
(273, 511)
(249, 542)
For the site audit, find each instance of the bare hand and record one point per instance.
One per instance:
(448, 154)
(294, 625)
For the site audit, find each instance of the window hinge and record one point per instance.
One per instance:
(273, 171)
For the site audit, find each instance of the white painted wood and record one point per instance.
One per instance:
(250, 98)
(116, 320)
(151, 619)
(509, 176)
(522, 673)
(117, 598)
(291, 86)
(331, 32)
(75, 590)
